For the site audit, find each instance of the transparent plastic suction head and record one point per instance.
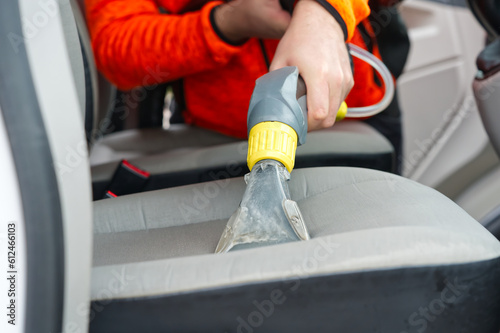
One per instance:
(266, 214)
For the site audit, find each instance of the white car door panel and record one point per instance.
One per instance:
(442, 129)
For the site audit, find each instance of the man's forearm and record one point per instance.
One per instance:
(131, 40)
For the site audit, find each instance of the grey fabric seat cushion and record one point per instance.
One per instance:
(184, 148)
(359, 220)
(135, 143)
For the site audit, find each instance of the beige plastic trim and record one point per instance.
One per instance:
(483, 196)
(487, 93)
(442, 129)
(471, 172)
(54, 83)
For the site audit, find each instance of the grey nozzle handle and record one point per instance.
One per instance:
(280, 96)
(301, 88)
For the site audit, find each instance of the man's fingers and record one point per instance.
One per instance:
(277, 63)
(325, 102)
(314, 42)
(317, 102)
(339, 88)
(336, 100)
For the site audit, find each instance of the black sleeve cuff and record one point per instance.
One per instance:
(218, 32)
(335, 14)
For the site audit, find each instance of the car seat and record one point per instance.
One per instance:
(186, 154)
(386, 254)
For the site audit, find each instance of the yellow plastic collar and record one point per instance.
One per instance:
(341, 113)
(272, 140)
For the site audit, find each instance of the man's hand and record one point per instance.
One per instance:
(242, 19)
(314, 42)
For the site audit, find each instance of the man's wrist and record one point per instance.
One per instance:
(224, 26)
(330, 9)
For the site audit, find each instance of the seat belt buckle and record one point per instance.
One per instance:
(127, 179)
(109, 194)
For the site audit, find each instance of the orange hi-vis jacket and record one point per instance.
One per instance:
(136, 44)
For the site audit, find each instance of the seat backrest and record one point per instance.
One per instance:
(98, 93)
(42, 118)
(486, 88)
(487, 82)
(82, 54)
(75, 54)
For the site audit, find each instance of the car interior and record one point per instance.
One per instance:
(416, 252)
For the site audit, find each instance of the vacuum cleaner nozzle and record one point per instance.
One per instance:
(266, 214)
(277, 124)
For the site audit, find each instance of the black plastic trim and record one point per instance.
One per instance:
(487, 14)
(455, 3)
(89, 94)
(435, 299)
(36, 177)
(492, 222)
(488, 60)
